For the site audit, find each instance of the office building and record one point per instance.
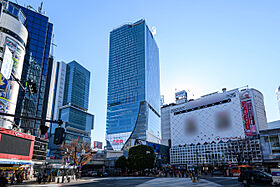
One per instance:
(49, 90)
(180, 97)
(133, 103)
(37, 55)
(210, 121)
(12, 48)
(278, 97)
(233, 114)
(79, 123)
(235, 152)
(270, 141)
(70, 103)
(165, 125)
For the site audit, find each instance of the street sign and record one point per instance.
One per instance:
(7, 64)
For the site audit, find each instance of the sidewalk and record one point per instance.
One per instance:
(35, 183)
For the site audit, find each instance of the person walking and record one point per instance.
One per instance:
(39, 178)
(3, 180)
(13, 178)
(22, 176)
(18, 177)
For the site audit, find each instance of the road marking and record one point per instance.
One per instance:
(166, 182)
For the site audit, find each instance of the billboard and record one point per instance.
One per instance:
(135, 142)
(246, 119)
(13, 63)
(118, 140)
(97, 145)
(7, 64)
(15, 145)
(213, 118)
(251, 117)
(248, 114)
(181, 94)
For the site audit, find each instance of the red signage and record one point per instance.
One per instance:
(118, 141)
(251, 117)
(16, 145)
(218, 138)
(246, 118)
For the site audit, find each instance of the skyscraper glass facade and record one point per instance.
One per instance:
(37, 51)
(75, 102)
(70, 104)
(77, 85)
(133, 103)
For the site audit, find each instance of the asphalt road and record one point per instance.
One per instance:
(224, 181)
(154, 182)
(148, 182)
(113, 182)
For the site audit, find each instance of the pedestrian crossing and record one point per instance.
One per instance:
(178, 182)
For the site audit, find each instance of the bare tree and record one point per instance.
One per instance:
(77, 152)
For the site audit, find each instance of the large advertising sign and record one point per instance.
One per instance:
(246, 118)
(248, 114)
(7, 64)
(118, 140)
(8, 87)
(15, 145)
(181, 94)
(135, 142)
(251, 117)
(97, 145)
(215, 119)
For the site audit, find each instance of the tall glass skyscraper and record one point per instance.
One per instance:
(70, 104)
(133, 104)
(35, 67)
(79, 123)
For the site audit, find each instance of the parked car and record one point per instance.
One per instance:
(103, 174)
(218, 172)
(84, 173)
(92, 173)
(248, 177)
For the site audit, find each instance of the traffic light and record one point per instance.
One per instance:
(32, 87)
(58, 135)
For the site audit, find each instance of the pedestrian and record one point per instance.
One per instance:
(39, 178)
(13, 178)
(22, 176)
(3, 180)
(45, 177)
(18, 176)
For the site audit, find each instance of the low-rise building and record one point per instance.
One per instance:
(270, 141)
(221, 127)
(217, 154)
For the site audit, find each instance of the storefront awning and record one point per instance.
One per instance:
(17, 162)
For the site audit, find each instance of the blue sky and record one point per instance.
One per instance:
(205, 45)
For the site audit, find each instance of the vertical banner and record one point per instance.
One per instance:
(246, 118)
(251, 117)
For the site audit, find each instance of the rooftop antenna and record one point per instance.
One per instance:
(30, 7)
(190, 92)
(40, 7)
